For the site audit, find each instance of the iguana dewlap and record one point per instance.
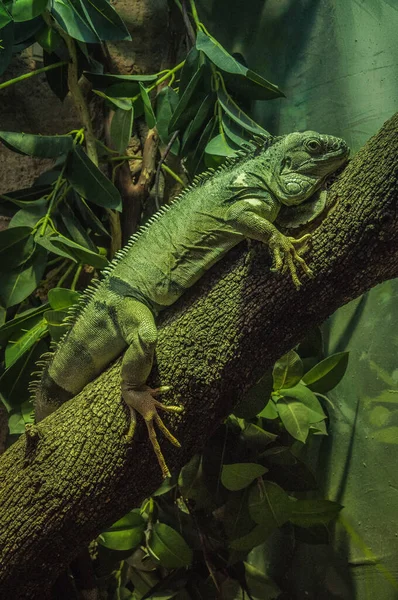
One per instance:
(239, 200)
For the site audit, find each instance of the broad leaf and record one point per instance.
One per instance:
(150, 118)
(240, 475)
(100, 80)
(5, 16)
(259, 584)
(7, 41)
(256, 437)
(237, 114)
(70, 20)
(25, 10)
(255, 399)
(90, 182)
(168, 547)
(302, 394)
(22, 322)
(17, 347)
(222, 59)
(219, 146)
(198, 121)
(295, 418)
(269, 505)
(14, 382)
(57, 78)
(75, 229)
(43, 146)
(235, 132)
(48, 38)
(314, 511)
(63, 246)
(18, 284)
(125, 534)
(61, 298)
(166, 102)
(187, 107)
(115, 101)
(191, 65)
(16, 246)
(55, 323)
(255, 537)
(328, 373)
(104, 20)
(195, 161)
(287, 371)
(121, 127)
(27, 196)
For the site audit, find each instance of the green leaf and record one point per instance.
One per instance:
(63, 246)
(18, 284)
(100, 80)
(315, 511)
(218, 146)
(57, 79)
(237, 134)
(198, 121)
(7, 41)
(254, 538)
(192, 485)
(5, 16)
(269, 411)
(25, 10)
(89, 217)
(224, 61)
(238, 115)
(256, 437)
(191, 65)
(195, 161)
(166, 103)
(125, 534)
(43, 146)
(259, 584)
(295, 418)
(61, 298)
(235, 516)
(115, 102)
(104, 20)
(22, 322)
(269, 505)
(255, 399)
(74, 228)
(288, 371)
(150, 118)
(28, 217)
(55, 323)
(240, 475)
(48, 38)
(302, 394)
(14, 382)
(16, 246)
(90, 182)
(17, 347)
(27, 196)
(168, 547)
(187, 106)
(327, 374)
(70, 20)
(121, 126)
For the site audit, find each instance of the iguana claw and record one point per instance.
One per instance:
(286, 255)
(145, 403)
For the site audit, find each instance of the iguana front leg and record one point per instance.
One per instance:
(140, 333)
(247, 218)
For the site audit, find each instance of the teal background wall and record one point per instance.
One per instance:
(337, 63)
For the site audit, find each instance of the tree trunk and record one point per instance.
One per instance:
(74, 473)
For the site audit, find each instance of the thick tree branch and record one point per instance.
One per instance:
(74, 473)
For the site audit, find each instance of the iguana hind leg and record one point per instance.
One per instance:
(140, 332)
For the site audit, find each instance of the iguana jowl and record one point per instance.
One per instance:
(239, 200)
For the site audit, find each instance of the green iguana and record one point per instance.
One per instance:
(239, 200)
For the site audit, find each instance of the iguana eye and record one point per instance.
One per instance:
(313, 145)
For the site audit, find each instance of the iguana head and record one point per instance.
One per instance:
(302, 161)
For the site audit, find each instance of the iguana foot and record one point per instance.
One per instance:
(286, 256)
(145, 403)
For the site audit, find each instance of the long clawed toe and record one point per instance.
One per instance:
(145, 403)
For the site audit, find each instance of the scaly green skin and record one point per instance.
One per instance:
(239, 200)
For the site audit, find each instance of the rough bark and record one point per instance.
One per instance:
(74, 473)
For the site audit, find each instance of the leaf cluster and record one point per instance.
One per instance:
(193, 538)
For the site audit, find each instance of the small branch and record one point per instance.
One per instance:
(32, 74)
(160, 164)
